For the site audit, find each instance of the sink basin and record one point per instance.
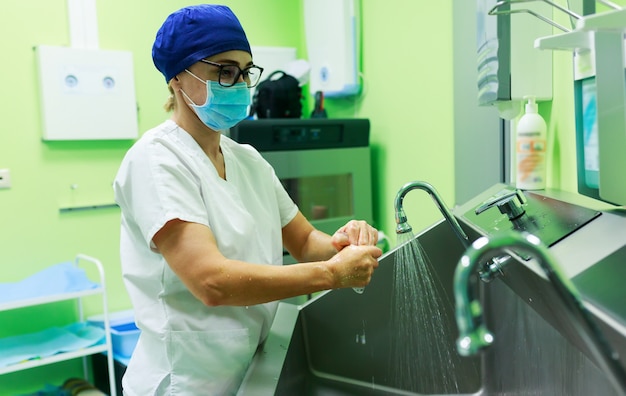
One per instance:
(341, 342)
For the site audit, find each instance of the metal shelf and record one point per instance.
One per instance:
(106, 347)
(581, 37)
(49, 299)
(59, 357)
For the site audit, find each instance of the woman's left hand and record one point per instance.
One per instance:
(355, 232)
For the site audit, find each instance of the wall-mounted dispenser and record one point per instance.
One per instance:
(86, 94)
(332, 37)
(509, 66)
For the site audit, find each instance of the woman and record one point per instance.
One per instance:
(205, 219)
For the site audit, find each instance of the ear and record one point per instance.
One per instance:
(175, 83)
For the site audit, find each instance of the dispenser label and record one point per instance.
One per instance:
(531, 155)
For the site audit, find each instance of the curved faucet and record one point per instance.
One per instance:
(402, 225)
(474, 336)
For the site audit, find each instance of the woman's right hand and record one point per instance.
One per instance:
(354, 265)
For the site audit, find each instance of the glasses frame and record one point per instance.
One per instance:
(240, 72)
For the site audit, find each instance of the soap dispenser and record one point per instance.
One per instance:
(530, 148)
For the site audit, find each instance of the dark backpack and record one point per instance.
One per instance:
(277, 98)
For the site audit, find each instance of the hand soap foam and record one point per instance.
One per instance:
(531, 148)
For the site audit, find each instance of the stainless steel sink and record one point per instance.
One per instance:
(348, 340)
(340, 342)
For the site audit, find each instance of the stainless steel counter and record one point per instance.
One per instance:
(312, 349)
(590, 256)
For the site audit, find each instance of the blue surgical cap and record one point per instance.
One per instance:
(194, 33)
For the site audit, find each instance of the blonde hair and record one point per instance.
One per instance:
(170, 104)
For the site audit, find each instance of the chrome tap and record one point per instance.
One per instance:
(510, 203)
(402, 225)
(474, 336)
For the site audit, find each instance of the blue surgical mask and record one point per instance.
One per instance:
(224, 107)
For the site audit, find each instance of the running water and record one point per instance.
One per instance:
(422, 354)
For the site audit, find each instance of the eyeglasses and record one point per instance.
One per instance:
(229, 74)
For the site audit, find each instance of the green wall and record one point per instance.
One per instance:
(406, 58)
(406, 55)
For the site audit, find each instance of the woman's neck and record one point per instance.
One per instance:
(207, 139)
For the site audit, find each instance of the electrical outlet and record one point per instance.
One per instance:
(5, 178)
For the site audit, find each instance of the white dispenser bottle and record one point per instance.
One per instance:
(530, 149)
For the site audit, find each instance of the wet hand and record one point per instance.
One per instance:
(354, 265)
(355, 232)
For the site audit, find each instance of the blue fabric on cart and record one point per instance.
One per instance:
(49, 342)
(56, 279)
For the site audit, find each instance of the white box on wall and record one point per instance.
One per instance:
(86, 94)
(272, 59)
(331, 28)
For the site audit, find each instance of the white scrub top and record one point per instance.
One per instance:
(186, 347)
